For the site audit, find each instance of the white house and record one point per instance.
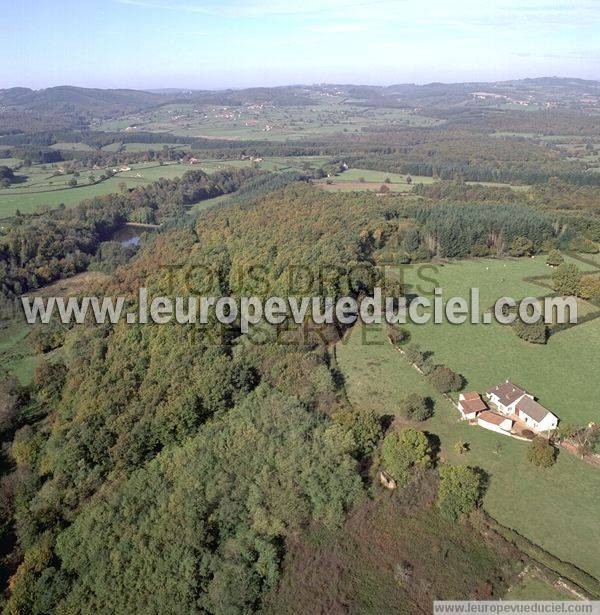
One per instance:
(516, 402)
(505, 396)
(534, 415)
(494, 422)
(470, 405)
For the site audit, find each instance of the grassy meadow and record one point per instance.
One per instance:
(42, 188)
(535, 586)
(366, 179)
(554, 508)
(16, 357)
(560, 374)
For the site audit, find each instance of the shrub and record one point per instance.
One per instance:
(416, 408)
(421, 254)
(521, 246)
(535, 333)
(445, 380)
(428, 365)
(461, 447)
(459, 492)
(403, 452)
(589, 287)
(480, 249)
(582, 244)
(414, 354)
(541, 453)
(555, 258)
(383, 189)
(365, 427)
(398, 336)
(566, 280)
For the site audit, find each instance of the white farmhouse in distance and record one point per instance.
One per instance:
(515, 402)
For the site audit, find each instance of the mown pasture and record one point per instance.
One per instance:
(554, 508)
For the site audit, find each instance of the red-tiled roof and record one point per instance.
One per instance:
(492, 417)
(471, 395)
(473, 405)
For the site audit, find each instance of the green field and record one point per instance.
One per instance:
(292, 163)
(144, 147)
(75, 147)
(15, 355)
(265, 122)
(556, 508)
(10, 162)
(533, 586)
(366, 179)
(42, 189)
(488, 354)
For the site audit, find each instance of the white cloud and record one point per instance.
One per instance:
(338, 28)
(254, 8)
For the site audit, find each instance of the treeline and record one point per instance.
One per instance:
(451, 153)
(574, 210)
(459, 191)
(262, 185)
(38, 249)
(459, 230)
(504, 172)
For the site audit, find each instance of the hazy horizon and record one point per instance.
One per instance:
(305, 84)
(205, 44)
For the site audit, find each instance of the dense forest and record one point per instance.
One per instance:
(169, 468)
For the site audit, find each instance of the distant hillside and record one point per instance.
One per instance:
(70, 107)
(64, 107)
(96, 102)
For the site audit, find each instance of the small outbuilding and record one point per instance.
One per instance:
(494, 422)
(470, 405)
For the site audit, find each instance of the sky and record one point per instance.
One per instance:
(213, 44)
